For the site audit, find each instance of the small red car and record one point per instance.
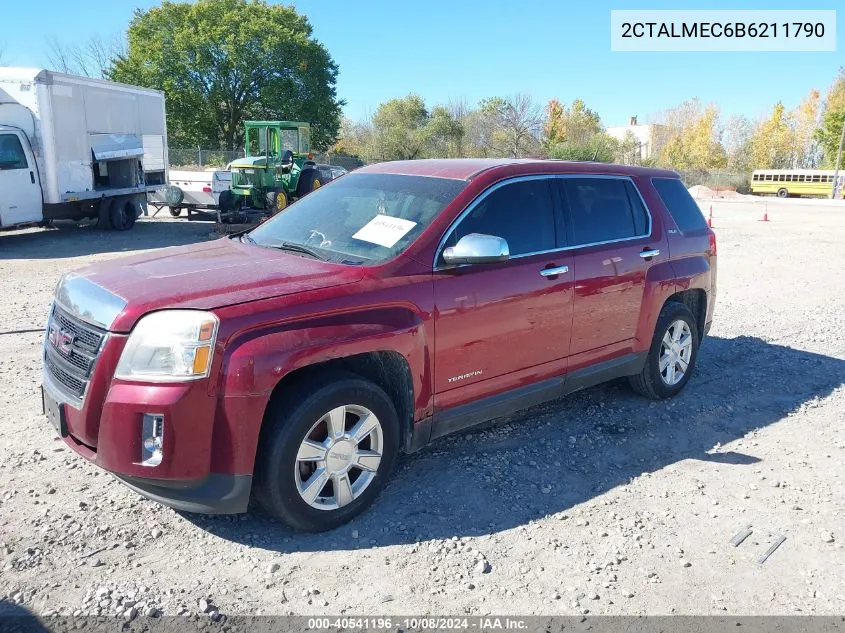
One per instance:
(402, 302)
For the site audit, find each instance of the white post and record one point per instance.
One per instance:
(835, 192)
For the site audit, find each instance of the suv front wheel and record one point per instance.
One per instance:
(325, 459)
(671, 357)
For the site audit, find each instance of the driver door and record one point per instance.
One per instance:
(20, 191)
(503, 325)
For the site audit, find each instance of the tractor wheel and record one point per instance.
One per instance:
(309, 181)
(277, 201)
(226, 202)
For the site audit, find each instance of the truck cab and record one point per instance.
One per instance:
(21, 202)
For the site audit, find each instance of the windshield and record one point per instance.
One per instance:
(360, 218)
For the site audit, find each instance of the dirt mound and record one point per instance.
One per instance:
(700, 191)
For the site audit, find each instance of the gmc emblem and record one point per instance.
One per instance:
(61, 339)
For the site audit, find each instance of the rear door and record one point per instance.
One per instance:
(615, 241)
(20, 191)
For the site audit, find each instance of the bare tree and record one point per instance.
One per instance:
(91, 59)
(521, 121)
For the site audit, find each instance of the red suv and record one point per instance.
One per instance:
(402, 302)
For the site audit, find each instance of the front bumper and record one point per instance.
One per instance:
(217, 494)
(194, 475)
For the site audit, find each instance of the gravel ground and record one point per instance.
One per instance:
(601, 503)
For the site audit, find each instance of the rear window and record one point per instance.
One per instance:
(603, 210)
(680, 204)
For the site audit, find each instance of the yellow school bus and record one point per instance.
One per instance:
(795, 182)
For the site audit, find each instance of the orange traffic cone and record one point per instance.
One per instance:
(765, 216)
(710, 217)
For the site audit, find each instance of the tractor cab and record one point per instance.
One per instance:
(278, 166)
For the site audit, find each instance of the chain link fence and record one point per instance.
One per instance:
(200, 158)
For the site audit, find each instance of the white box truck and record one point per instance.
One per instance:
(76, 148)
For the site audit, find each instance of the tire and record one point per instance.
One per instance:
(783, 193)
(277, 201)
(173, 196)
(226, 201)
(104, 209)
(651, 382)
(280, 475)
(123, 214)
(309, 181)
(175, 212)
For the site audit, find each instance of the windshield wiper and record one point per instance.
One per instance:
(299, 248)
(246, 238)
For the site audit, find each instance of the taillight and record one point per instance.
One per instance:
(206, 189)
(712, 237)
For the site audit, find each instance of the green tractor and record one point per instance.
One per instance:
(278, 168)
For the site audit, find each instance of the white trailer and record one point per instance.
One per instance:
(76, 148)
(192, 190)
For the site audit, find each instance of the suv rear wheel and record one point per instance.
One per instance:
(671, 358)
(325, 458)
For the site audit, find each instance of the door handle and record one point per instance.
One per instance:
(32, 177)
(649, 253)
(557, 270)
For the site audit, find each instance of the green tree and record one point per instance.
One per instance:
(835, 99)
(401, 129)
(830, 130)
(446, 134)
(693, 141)
(221, 62)
(353, 139)
(575, 124)
(600, 147)
(804, 120)
(772, 144)
(829, 134)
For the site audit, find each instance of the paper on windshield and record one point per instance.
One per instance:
(384, 230)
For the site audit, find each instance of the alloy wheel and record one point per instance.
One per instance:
(675, 352)
(339, 457)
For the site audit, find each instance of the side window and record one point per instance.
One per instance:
(640, 215)
(680, 204)
(11, 153)
(603, 210)
(520, 212)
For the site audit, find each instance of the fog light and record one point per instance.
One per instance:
(152, 439)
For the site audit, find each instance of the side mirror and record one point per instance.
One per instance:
(477, 248)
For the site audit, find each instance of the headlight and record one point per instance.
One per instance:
(169, 346)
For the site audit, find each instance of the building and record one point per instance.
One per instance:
(650, 137)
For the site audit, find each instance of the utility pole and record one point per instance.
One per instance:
(835, 192)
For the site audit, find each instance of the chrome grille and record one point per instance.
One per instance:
(70, 351)
(75, 385)
(88, 337)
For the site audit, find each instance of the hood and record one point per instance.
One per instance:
(200, 276)
(249, 161)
